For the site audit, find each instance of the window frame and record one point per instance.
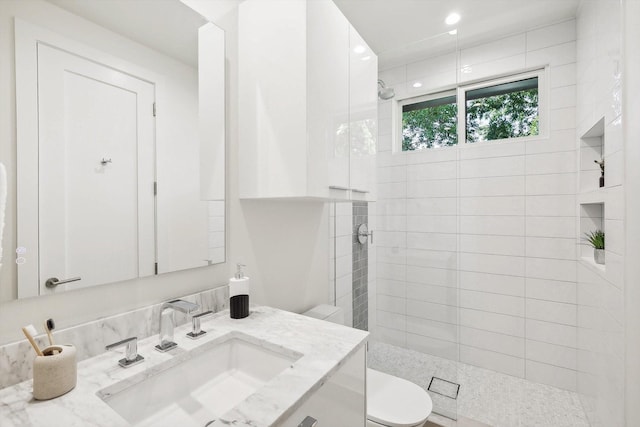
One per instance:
(460, 92)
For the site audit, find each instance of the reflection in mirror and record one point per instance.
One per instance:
(120, 178)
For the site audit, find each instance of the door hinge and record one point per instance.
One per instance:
(154, 109)
(155, 188)
(156, 268)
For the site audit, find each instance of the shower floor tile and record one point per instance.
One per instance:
(485, 396)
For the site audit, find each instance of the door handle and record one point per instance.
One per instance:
(52, 282)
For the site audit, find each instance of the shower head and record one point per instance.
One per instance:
(385, 92)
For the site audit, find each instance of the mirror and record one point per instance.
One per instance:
(120, 122)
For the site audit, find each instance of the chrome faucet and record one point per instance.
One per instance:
(131, 356)
(166, 331)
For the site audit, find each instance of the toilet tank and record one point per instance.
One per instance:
(326, 312)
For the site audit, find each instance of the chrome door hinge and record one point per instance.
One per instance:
(154, 109)
(155, 188)
(156, 268)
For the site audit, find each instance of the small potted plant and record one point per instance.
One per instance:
(596, 239)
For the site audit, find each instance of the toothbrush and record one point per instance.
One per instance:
(49, 326)
(29, 331)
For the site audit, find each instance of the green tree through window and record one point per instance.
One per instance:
(430, 124)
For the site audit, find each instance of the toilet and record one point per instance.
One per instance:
(391, 401)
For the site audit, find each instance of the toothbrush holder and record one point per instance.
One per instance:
(55, 373)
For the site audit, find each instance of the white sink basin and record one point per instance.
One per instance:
(195, 388)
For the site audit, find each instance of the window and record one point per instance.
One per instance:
(430, 123)
(495, 110)
(507, 110)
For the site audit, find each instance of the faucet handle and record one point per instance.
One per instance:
(131, 355)
(196, 332)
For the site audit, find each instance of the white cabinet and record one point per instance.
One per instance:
(341, 400)
(363, 117)
(295, 101)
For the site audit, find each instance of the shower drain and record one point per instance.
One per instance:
(443, 387)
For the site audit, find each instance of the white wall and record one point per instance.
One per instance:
(601, 290)
(477, 243)
(284, 244)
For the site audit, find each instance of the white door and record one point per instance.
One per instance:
(96, 172)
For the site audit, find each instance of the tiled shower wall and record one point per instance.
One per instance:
(352, 267)
(601, 305)
(360, 279)
(477, 244)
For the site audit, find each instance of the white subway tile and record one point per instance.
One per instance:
(432, 329)
(391, 320)
(496, 245)
(432, 206)
(562, 205)
(552, 375)
(391, 304)
(422, 189)
(502, 48)
(390, 336)
(493, 322)
(495, 283)
(394, 288)
(432, 241)
(434, 65)
(440, 348)
(553, 269)
(392, 174)
(505, 344)
(390, 223)
(491, 360)
(391, 271)
(511, 64)
(561, 356)
(554, 184)
(431, 311)
(559, 140)
(496, 264)
(555, 55)
(495, 205)
(551, 290)
(392, 207)
(495, 186)
(393, 76)
(389, 239)
(562, 118)
(435, 171)
(432, 224)
(615, 235)
(393, 190)
(428, 258)
(549, 311)
(502, 225)
(551, 35)
(431, 276)
(494, 303)
(434, 294)
(562, 97)
(445, 154)
(553, 333)
(551, 227)
(548, 247)
(563, 75)
(491, 150)
(551, 163)
(499, 166)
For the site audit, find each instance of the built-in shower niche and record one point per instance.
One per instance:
(591, 219)
(592, 149)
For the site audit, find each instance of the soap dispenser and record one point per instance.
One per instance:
(239, 295)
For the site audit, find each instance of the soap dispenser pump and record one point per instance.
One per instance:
(239, 294)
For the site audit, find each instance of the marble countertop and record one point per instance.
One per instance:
(324, 347)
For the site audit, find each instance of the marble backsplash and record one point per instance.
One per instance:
(90, 339)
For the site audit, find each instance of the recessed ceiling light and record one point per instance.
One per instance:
(453, 18)
(417, 84)
(359, 49)
(453, 32)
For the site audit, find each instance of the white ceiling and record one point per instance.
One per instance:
(169, 27)
(401, 31)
